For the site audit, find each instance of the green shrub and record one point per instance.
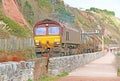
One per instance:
(45, 4)
(47, 78)
(64, 15)
(30, 53)
(118, 72)
(118, 55)
(53, 78)
(29, 80)
(99, 10)
(27, 4)
(28, 12)
(63, 74)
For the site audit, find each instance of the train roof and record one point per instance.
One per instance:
(46, 21)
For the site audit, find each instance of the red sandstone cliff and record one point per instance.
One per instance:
(11, 9)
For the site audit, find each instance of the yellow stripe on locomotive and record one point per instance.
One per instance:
(48, 41)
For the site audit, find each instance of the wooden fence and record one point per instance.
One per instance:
(14, 43)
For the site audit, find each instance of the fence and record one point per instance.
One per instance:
(14, 43)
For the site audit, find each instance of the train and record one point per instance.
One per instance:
(56, 39)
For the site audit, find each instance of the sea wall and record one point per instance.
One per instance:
(69, 63)
(23, 70)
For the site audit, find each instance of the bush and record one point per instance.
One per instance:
(53, 78)
(118, 72)
(28, 5)
(64, 15)
(29, 80)
(118, 55)
(99, 10)
(63, 74)
(45, 3)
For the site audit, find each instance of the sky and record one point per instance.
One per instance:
(112, 5)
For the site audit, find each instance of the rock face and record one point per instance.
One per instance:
(11, 9)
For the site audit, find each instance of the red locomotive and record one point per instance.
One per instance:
(58, 40)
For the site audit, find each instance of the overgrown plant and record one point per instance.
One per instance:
(53, 78)
(118, 72)
(118, 55)
(28, 5)
(28, 11)
(45, 4)
(64, 15)
(100, 10)
(29, 80)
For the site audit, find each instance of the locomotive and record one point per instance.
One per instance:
(58, 40)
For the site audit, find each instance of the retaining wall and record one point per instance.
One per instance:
(34, 69)
(69, 63)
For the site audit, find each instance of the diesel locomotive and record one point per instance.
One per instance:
(59, 40)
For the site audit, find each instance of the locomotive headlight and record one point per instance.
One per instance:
(37, 42)
(56, 43)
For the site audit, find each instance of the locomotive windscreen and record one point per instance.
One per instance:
(40, 31)
(53, 30)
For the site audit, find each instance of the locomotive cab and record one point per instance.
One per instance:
(47, 36)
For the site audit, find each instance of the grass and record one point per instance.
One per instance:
(28, 11)
(118, 55)
(45, 4)
(15, 27)
(30, 53)
(29, 80)
(118, 72)
(64, 14)
(53, 78)
(28, 5)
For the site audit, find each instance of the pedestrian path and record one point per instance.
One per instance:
(103, 69)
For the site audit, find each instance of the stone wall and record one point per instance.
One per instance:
(69, 63)
(24, 70)
(34, 69)
(14, 71)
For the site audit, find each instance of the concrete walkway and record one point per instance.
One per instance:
(102, 69)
